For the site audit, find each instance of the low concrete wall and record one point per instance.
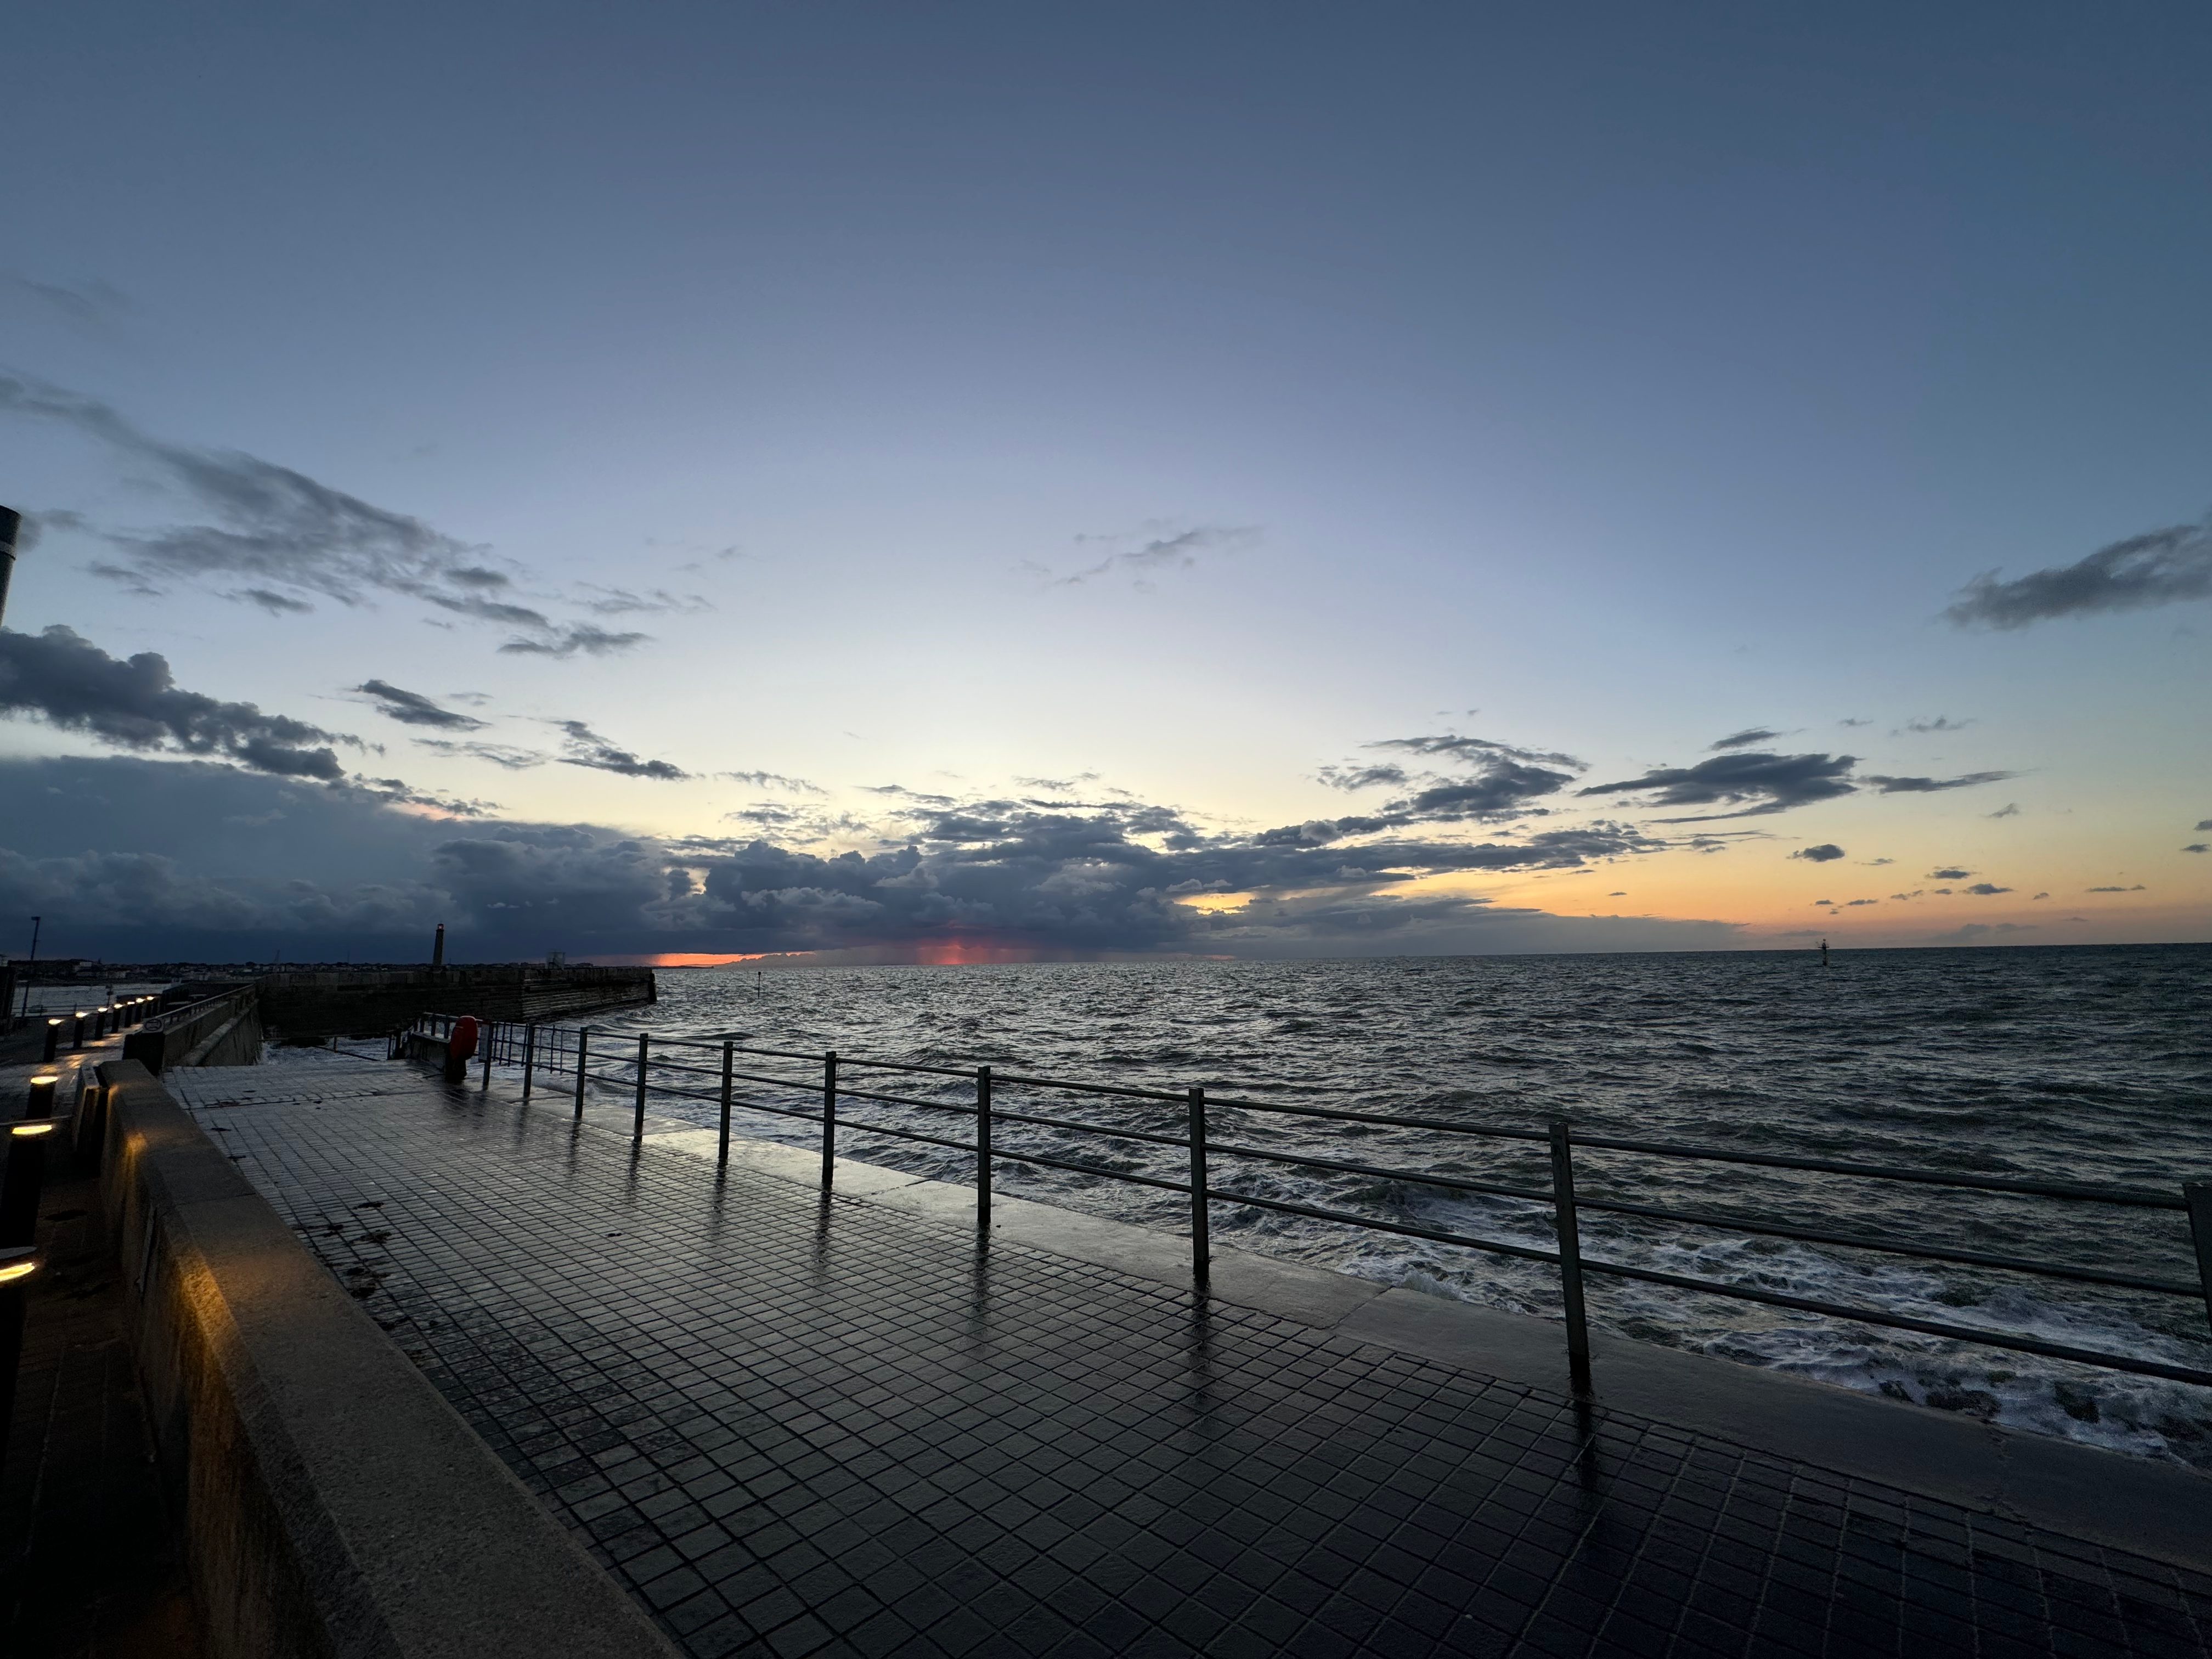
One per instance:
(333, 1503)
(223, 1029)
(315, 1005)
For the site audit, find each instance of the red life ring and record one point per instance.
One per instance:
(463, 1041)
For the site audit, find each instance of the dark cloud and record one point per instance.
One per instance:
(63, 679)
(1774, 783)
(1501, 787)
(35, 525)
(288, 535)
(1940, 723)
(777, 780)
(1142, 553)
(1385, 775)
(358, 877)
(413, 709)
(1745, 738)
(622, 602)
(1499, 781)
(1987, 888)
(159, 859)
(2137, 888)
(2205, 823)
(1855, 904)
(276, 605)
(584, 638)
(1478, 750)
(397, 792)
(499, 754)
(2162, 566)
(271, 522)
(1930, 785)
(2195, 846)
(1948, 875)
(1821, 854)
(588, 749)
(556, 881)
(2009, 810)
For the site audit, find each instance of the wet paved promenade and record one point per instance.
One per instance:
(795, 1425)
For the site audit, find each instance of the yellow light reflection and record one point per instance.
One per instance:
(1214, 903)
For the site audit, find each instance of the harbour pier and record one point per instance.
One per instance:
(792, 1416)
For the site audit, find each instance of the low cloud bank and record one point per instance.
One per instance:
(131, 858)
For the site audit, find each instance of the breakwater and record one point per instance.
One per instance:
(314, 1004)
(864, 1423)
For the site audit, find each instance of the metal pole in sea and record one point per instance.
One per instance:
(35, 923)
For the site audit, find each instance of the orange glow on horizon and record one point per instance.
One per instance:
(960, 952)
(698, 959)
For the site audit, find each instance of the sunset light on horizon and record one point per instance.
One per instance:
(999, 486)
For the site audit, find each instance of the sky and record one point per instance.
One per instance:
(854, 482)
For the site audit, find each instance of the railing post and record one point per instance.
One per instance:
(491, 1042)
(1570, 1254)
(637, 1120)
(528, 1057)
(583, 1046)
(729, 1064)
(2197, 1195)
(829, 1117)
(983, 1147)
(1201, 1248)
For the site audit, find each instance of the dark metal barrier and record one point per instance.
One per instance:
(661, 1065)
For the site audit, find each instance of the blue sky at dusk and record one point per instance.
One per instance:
(905, 483)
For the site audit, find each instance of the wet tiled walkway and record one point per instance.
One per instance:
(793, 1425)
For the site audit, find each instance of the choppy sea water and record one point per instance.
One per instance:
(2076, 1064)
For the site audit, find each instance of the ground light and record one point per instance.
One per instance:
(26, 1175)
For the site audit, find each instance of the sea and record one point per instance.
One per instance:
(2076, 1064)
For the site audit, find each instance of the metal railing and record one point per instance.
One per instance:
(642, 1064)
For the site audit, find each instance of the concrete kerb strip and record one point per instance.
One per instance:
(333, 1502)
(2160, 1510)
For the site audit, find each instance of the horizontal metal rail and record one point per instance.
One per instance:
(2128, 1195)
(1745, 1293)
(645, 1073)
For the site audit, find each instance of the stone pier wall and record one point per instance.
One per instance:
(370, 1001)
(332, 1503)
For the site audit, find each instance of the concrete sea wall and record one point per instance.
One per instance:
(222, 1029)
(332, 1502)
(370, 1001)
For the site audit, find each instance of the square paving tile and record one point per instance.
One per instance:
(794, 1424)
